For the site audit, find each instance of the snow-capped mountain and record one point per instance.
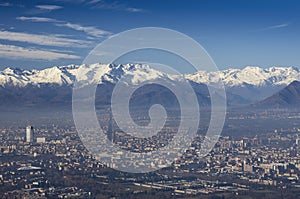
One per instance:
(254, 76)
(252, 83)
(246, 85)
(66, 75)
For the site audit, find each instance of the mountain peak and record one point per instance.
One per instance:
(285, 98)
(249, 76)
(251, 83)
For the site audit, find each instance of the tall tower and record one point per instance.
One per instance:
(29, 134)
(110, 132)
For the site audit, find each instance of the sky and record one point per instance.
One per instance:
(236, 33)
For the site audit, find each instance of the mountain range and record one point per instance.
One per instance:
(251, 85)
(289, 97)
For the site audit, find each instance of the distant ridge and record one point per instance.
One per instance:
(288, 97)
(250, 76)
(54, 84)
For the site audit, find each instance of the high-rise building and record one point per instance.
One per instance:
(110, 131)
(29, 134)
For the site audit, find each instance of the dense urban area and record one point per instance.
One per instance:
(51, 162)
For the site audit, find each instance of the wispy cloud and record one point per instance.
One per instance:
(45, 40)
(49, 7)
(40, 9)
(71, 1)
(6, 4)
(37, 19)
(89, 30)
(105, 4)
(274, 27)
(15, 52)
(10, 4)
(134, 10)
(94, 1)
(112, 5)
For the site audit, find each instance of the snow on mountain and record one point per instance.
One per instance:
(19, 77)
(250, 75)
(66, 75)
(113, 73)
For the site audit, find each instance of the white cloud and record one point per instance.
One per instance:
(46, 40)
(105, 4)
(36, 19)
(6, 4)
(278, 26)
(9, 4)
(134, 10)
(275, 27)
(90, 30)
(94, 1)
(48, 7)
(15, 52)
(113, 5)
(71, 1)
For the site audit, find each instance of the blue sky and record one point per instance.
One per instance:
(39, 34)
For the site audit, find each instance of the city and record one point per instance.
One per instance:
(51, 162)
(160, 99)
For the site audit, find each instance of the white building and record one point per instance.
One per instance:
(40, 140)
(29, 134)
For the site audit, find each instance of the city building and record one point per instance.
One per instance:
(29, 134)
(110, 131)
(40, 140)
